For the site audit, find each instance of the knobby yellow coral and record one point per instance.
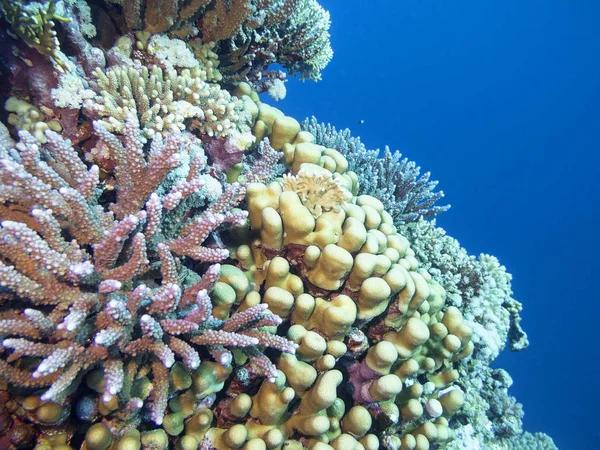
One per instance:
(317, 190)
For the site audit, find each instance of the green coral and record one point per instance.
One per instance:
(34, 23)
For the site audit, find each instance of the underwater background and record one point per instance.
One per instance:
(500, 100)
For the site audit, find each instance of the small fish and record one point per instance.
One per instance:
(361, 121)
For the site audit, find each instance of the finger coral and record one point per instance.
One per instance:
(163, 101)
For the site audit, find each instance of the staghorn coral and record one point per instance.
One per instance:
(340, 282)
(163, 100)
(406, 194)
(87, 277)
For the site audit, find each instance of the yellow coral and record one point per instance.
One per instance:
(25, 116)
(34, 23)
(318, 191)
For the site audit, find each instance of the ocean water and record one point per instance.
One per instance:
(500, 100)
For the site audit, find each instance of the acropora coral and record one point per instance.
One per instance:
(184, 266)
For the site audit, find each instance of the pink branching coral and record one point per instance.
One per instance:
(90, 279)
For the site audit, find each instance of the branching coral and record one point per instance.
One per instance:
(34, 23)
(539, 441)
(248, 35)
(133, 317)
(158, 16)
(163, 101)
(87, 278)
(224, 19)
(406, 194)
(294, 33)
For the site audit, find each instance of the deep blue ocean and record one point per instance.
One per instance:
(500, 100)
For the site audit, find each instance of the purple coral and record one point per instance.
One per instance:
(83, 265)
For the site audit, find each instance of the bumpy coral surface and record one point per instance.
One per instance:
(183, 266)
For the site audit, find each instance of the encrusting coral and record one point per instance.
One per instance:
(184, 266)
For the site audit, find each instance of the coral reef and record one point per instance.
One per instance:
(406, 194)
(184, 266)
(247, 35)
(163, 101)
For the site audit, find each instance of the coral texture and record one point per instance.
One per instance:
(406, 194)
(248, 35)
(184, 266)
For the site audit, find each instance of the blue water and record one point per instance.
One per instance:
(500, 100)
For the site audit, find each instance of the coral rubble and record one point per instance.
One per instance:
(184, 266)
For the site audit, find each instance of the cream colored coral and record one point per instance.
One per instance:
(72, 89)
(163, 100)
(173, 52)
(25, 116)
(318, 191)
(208, 59)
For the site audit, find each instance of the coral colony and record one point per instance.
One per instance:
(184, 266)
